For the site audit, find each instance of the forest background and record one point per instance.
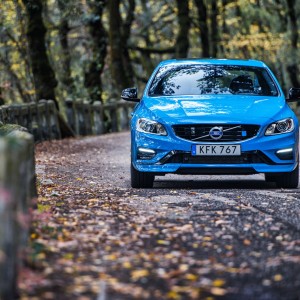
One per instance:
(92, 49)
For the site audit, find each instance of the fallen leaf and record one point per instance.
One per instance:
(247, 242)
(217, 291)
(277, 277)
(137, 274)
(218, 283)
(162, 242)
(191, 277)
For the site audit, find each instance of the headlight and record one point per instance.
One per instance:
(282, 126)
(149, 126)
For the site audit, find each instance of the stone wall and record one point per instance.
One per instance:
(40, 119)
(95, 118)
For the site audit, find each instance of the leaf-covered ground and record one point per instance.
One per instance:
(93, 237)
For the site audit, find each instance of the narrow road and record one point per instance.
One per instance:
(190, 237)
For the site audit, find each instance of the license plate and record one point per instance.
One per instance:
(217, 150)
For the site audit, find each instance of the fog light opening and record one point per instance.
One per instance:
(285, 154)
(145, 153)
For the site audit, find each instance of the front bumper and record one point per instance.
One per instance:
(173, 155)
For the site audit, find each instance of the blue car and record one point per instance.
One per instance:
(213, 116)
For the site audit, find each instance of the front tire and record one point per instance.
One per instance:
(270, 177)
(141, 179)
(285, 180)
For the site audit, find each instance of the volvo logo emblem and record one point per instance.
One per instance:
(216, 133)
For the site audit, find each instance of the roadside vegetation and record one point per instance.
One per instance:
(92, 49)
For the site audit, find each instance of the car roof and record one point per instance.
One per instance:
(213, 61)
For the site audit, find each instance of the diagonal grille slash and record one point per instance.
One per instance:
(224, 130)
(231, 132)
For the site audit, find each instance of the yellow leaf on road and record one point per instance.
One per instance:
(218, 291)
(218, 283)
(137, 274)
(173, 295)
(277, 277)
(163, 242)
(111, 257)
(33, 236)
(127, 265)
(191, 277)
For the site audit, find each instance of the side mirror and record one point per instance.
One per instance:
(130, 94)
(294, 95)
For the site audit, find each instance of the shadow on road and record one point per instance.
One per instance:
(213, 184)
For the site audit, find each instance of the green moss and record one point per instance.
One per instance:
(8, 128)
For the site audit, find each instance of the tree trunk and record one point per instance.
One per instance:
(214, 29)
(92, 80)
(43, 75)
(224, 30)
(145, 59)
(244, 29)
(203, 26)
(281, 14)
(118, 71)
(182, 42)
(22, 41)
(126, 31)
(63, 31)
(224, 8)
(293, 68)
(2, 102)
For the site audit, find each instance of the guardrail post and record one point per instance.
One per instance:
(54, 129)
(42, 119)
(8, 240)
(87, 116)
(17, 170)
(13, 114)
(4, 118)
(23, 115)
(97, 114)
(80, 126)
(70, 112)
(34, 125)
(123, 116)
(112, 111)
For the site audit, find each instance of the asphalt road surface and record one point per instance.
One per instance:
(190, 237)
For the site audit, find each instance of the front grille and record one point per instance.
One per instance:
(254, 157)
(231, 133)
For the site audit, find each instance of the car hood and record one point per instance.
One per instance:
(212, 109)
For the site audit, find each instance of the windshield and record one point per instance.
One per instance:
(212, 79)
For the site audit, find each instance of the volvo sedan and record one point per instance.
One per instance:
(209, 116)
